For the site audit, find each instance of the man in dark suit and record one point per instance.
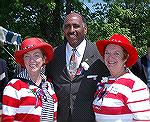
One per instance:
(76, 94)
(142, 67)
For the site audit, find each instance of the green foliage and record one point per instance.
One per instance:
(44, 18)
(130, 18)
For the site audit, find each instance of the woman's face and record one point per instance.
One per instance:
(33, 61)
(114, 58)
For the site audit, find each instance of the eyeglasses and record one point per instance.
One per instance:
(35, 56)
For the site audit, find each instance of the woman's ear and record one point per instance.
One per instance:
(44, 59)
(126, 58)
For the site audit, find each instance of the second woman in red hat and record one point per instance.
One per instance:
(121, 97)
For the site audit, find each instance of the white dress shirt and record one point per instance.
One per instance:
(79, 53)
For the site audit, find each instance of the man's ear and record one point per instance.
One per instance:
(85, 30)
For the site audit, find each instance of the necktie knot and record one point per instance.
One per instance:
(74, 50)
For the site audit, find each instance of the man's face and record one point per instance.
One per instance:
(74, 29)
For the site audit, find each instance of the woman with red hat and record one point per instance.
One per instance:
(29, 96)
(121, 97)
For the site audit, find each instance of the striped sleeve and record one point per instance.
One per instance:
(19, 103)
(11, 100)
(139, 101)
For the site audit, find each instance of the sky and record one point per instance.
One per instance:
(92, 1)
(89, 5)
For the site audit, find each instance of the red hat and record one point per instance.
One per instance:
(121, 41)
(33, 43)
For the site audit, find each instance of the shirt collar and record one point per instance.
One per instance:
(80, 48)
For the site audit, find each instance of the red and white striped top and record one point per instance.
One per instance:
(126, 99)
(19, 103)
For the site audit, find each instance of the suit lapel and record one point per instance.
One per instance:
(88, 54)
(65, 73)
(88, 57)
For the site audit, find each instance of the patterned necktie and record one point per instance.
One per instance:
(73, 64)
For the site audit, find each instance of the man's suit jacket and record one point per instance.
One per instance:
(3, 76)
(140, 68)
(76, 96)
